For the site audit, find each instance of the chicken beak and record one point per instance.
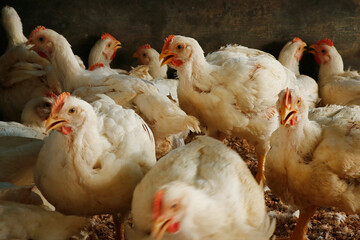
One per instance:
(31, 44)
(311, 49)
(286, 112)
(52, 123)
(117, 44)
(167, 57)
(159, 227)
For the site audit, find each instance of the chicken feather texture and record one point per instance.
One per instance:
(162, 115)
(94, 162)
(23, 73)
(215, 194)
(336, 85)
(22, 221)
(232, 91)
(290, 56)
(314, 162)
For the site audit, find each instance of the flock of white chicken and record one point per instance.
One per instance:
(103, 140)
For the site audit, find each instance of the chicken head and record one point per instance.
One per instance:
(143, 54)
(168, 211)
(322, 50)
(67, 114)
(177, 50)
(291, 106)
(41, 41)
(111, 45)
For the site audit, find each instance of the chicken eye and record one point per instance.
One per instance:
(298, 101)
(47, 105)
(144, 55)
(174, 205)
(323, 51)
(179, 47)
(109, 45)
(72, 110)
(41, 39)
(299, 48)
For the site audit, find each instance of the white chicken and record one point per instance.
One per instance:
(37, 111)
(232, 92)
(336, 86)
(13, 27)
(23, 74)
(203, 190)
(92, 164)
(290, 56)
(314, 160)
(149, 56)
(104, 51)
(22, 221)
(162, 115)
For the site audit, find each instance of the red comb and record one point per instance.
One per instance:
(296, 39)
(95, 66)
(59, 103)
(167, 41)
(157, 204)
(287, 98)
(107, 35)
(37, 29)
(325, 41)
(51, 95)
(147, 46)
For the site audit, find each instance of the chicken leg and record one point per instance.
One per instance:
(260, 169)
(301, 227)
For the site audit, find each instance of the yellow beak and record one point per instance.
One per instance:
(311, 49)
(167, 57)
(118, 44)
(159, 227)
(52, 123)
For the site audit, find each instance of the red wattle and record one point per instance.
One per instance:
(113, 56)
(176, 62)
(173, 228)
(41, 54)
(317, 59)
(66, 130)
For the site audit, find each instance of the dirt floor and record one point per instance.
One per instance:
(328, 223)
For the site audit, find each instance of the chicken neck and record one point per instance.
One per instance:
(66, 66)
(334, 66)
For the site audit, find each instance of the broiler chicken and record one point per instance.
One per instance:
(201, 191)
(37, 111)
(104, 51)
(149, 56)
(290, 56)
(13, 27)
(232, 91)
(94, 160)
(314, 160)
(163, 116)
(336, 86)
(22, 221)
(23, 74)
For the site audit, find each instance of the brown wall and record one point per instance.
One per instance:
(265, 25)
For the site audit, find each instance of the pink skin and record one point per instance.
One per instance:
(299, 52)
(163, 216)
(321, 54)
(42, 46)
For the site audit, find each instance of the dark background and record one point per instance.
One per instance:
(266, 25)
